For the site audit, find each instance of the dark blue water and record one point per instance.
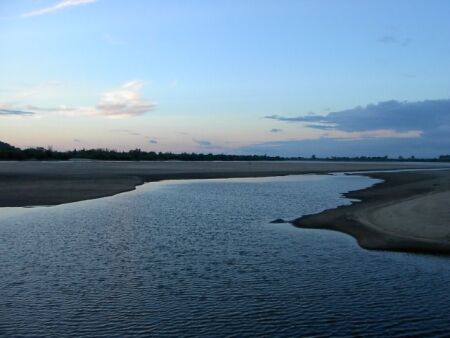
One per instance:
(200, 258)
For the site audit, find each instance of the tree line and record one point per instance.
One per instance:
(9, 152)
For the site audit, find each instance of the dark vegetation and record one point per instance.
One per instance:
(8, 152)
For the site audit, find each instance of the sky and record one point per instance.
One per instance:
(289, 78)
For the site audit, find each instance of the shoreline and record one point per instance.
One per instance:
(52, 183)
(407, 212)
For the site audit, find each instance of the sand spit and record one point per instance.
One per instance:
(410, 211)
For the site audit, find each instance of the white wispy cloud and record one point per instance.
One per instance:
(126, 101)
(57, 7)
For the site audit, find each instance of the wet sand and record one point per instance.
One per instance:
(49, 183)
(409, 211)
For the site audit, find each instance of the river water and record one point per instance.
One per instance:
(201, 258)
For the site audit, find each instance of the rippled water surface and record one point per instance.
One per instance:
(200, 258)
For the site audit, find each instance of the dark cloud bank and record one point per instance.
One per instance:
(14, 112)
(276, 130)
(203, 143)
(431, 118)
(392, 39)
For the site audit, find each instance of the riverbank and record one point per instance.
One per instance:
(33, 183)
(409, 211)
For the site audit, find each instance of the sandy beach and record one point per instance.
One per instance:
(33, 183)
(409, 211)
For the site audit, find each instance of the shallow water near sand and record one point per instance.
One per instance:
(200, 258)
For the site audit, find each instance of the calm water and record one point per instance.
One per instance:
(200, 258)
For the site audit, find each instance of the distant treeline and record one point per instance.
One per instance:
(8, 152)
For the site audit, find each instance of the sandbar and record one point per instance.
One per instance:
(409, 211)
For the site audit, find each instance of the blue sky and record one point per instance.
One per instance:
(227, 76)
